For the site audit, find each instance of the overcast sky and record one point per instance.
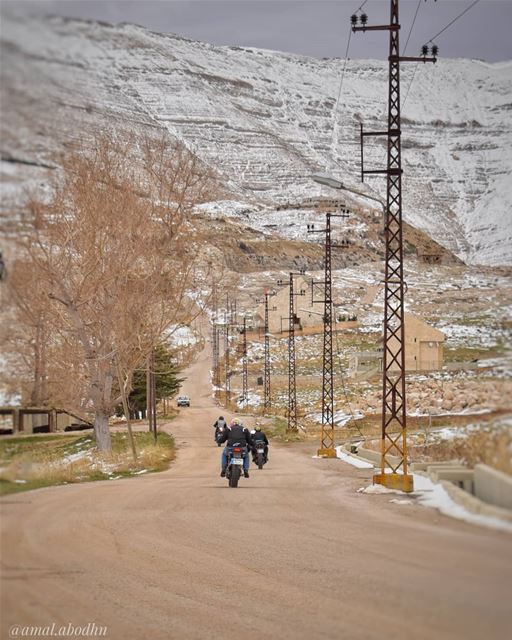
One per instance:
(312, 27)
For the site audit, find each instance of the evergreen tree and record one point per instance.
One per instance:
(167, 381)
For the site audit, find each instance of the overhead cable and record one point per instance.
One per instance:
(336, 107)
(454, 20)
(412, 26)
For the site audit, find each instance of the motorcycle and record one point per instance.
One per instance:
(259, 456)
(218, 434)
(235, 464)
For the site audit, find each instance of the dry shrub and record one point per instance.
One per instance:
(49, 468)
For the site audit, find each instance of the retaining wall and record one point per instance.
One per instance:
(492, 486)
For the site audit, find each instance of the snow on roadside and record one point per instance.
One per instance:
(355, 462)
(436, 496)
(430, 494)
(80, 455)
(378, 489)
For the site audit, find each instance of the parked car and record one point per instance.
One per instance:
(183, 401)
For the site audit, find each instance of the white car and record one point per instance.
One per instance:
(183, 401)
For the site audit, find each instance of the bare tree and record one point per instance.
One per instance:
(114, 256)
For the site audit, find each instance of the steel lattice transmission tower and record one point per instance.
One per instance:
(215, 353)
(267, 398)
(394, 424)
(245, 390)
(227, 376)
(327, 449)
(215, 343)
(292, 386)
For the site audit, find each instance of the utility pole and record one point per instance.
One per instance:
(149, 412)
(245, 390)
(153, 396)
(215, 342)
(227, 381)
(394, 425)
(292, 425)
(327, 449)
(215, 348)
(267, 401)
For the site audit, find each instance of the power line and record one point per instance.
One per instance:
(410, 84)
(454, 20)
(336, 108)
(412, 26)
(431, 41)
(335, 115)
(344, 386)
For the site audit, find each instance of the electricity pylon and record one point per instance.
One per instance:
(267, 399)
(245, 390)
(327, 449)
(394, 424)
(292, 425)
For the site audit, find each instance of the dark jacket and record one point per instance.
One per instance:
(259, 435)
(235, 434)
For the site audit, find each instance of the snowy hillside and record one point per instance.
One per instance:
(265, 120)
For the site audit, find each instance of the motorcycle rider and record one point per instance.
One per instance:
(259, 436)
(236, 433)
(220, 424)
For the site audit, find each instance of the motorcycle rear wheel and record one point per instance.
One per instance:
(234, 476)
(260, 461)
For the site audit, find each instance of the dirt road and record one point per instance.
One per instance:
(294, 552)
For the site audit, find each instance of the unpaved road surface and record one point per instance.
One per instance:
(294, 552)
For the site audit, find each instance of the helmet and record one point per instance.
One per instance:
(234, 422)
(257, 428)
(221, 417)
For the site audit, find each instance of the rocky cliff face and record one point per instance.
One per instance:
(266, 120)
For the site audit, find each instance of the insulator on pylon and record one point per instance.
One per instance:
(424, 50)
(364, 19)
(353, 19)
(435, 50)
(311, 227)
(279, 282)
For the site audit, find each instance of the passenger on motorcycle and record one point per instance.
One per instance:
(236, 433)
(220, 424)
(259, 436)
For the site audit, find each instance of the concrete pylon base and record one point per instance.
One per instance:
(326, 453)
(398, 481)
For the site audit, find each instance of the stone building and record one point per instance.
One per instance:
(423, 350)
(307, 314)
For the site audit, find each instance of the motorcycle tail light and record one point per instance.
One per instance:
(237, 449)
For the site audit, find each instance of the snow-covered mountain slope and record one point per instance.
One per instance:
(266, 120)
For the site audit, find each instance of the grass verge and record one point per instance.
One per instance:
(41, 461)
(277, 431)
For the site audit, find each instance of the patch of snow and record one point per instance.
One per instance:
(435, 496)
(355, 462)
(377, 489)
(340, 417)
(253, 400)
